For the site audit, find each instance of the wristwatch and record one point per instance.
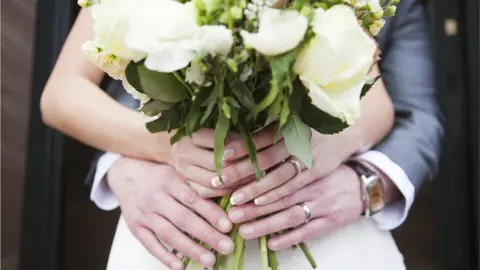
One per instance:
(371, 184)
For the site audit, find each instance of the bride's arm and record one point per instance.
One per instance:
(73, 103)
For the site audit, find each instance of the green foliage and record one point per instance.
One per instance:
(221, 130)
(368, 85)
(193, 120)
(165, 87)
(155, 107)
(297, 139)
(251, 148)
(321, 121)
(169, 119)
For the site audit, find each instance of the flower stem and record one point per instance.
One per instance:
(242, 259)
(307, 253)
(237, 253)
(272, 258)
(264, 252)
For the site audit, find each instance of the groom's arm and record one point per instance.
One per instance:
(410, 154)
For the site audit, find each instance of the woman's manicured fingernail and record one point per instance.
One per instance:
(260, 200)
(273, 245)
(207, 259)
(228, 154)
(216, 181)
(247, 230)
(225, 224)
(226, 246)
(236, 215)
(237, 198)
(177, 265)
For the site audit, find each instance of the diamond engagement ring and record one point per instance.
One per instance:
(296, 164)
(306, 209)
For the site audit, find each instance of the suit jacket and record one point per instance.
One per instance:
(407, 70)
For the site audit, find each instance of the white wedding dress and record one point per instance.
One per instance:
(359, 246)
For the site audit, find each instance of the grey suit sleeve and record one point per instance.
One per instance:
(407, 68)
(117, 92)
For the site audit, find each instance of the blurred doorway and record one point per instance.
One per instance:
(18, 29)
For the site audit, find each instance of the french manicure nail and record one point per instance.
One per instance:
(236, 215)
(237, 198)
(260, 200)
(225, 224)
(207, 259)
(228, 154)
(216, 181)
(177, 265)
(226, 247)
(247, 230)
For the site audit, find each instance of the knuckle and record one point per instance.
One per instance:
(286, 201)
(190, 197)
(294, 217)
(180, 220)
(309, 233)
(265, 159)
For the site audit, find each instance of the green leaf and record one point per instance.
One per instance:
(243, 95)
(210, 104)
(192, 122)
(368, 85)
(159, 86)
(181, 132)
(226, 110)
(320, 120)
(297, 137)
(221, 130)
(297, 97)
(154, 107)
(251, 148)
(281, 67)
(170, 119)
(284, 113)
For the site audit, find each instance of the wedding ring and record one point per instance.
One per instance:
(296, 164)
(308, 213)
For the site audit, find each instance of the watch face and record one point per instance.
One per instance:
(375, 191)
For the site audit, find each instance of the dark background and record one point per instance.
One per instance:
(48, 222)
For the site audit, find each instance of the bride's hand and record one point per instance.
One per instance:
(193, 158)
(334, 202)
(159, 206)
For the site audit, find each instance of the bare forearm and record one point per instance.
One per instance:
(81, 110)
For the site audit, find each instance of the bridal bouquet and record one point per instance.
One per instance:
(240, 65)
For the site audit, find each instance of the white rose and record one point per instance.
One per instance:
(168, 31)
(279, 31)
(334, 65)
(110, 24)
(111, 64)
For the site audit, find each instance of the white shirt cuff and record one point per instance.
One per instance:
(393, 215)
(101, 194)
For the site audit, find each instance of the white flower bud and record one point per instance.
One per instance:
(376, 26)
(87, 3)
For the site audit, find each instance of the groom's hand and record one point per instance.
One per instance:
(160, 208)
(334, 201)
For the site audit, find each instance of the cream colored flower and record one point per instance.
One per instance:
(168, 31)
(334, 65)
(279, 31)
(134, 93)
(106, 61)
